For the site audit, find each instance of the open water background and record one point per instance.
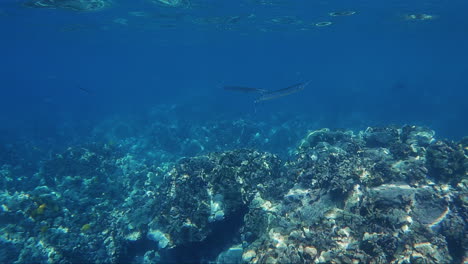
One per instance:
(370, 68)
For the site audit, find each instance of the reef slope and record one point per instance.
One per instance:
(383, 195)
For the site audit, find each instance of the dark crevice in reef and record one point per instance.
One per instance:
(136, 250)
(455, 249)
(221, 238)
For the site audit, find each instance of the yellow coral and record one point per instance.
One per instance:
(85, 227)
(41, 208)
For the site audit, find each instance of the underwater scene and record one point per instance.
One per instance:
(234, 132)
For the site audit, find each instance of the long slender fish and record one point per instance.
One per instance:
(282, 92)
(244, 89)
(84, 90)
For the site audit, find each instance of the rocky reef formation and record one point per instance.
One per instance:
(166, 133)
(374, 197)
(383, 195)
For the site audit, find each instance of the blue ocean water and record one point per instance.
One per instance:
(373, 67)
(70, 77)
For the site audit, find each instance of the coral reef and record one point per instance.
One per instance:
(383, 195)
(166, 134)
